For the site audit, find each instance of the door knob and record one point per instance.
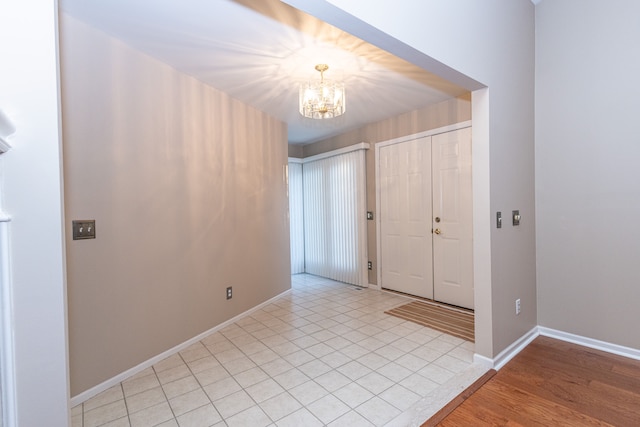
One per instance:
(437, 219)
(437, 231)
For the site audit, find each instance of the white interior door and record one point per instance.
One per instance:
(405, 217)
(452, 218)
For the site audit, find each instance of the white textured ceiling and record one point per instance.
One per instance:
(260, 51)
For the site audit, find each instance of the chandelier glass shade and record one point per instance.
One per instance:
(323, 99)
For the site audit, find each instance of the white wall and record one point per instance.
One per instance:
(587, 174)
(492, 42)
(31, 193)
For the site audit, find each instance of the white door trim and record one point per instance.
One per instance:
(399, 140)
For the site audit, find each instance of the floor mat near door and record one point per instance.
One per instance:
(444, 319)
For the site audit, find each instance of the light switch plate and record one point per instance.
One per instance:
(516, 217)
(84, 229)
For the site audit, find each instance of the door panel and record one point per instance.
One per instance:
(405, 211)
(453, 247)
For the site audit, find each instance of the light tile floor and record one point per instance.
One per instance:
(323, 354)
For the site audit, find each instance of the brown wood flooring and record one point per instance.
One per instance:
(554, 383)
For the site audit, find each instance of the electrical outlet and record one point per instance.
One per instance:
(229, 292)
(518, 306)
(370, 265)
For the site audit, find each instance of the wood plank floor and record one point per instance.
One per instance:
(554, 383)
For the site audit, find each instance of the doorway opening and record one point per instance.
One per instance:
(425, 220)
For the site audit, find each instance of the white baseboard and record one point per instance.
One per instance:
(620, 350)
(510, 352)
(86, 395)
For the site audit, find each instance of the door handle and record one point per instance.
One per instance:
(437, 231)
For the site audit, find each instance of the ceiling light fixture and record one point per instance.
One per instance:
(322, 100)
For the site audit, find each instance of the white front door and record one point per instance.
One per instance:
(426, 217)
(405, 217)
(452, 218)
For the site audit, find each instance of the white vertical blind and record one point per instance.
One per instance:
(296, 218)
(335, 218)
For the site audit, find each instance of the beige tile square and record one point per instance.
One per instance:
(285, 348)
(254, 417)
(335, 359)
(264, 356)
(173, 374)
(228, 355)
(120, 422)
(76, 420)
(280, 406)
(377, 411)
(220, 346)
(212, 375)
(105, 413)
(233, 404)
(419, 384)
(195, 352)
(399, 397)
(250, 377)
(299, 358)
(351, 419)
(168, 363)
(276, 367)
(222, 388)
(436, 373)
(332, 381)
(308, 392)
(320, 350)
(353, 395)
(291, 378)
(264, 390)
(314, 368)
(188, 402)
(375, 382)
(302, 417)
(354, 370)
(110, 395)
(181, 386)
(411, 362)
(203, 364)
(201, 417)
(394, 372)
(253, 347)
(238, 365)
(328, 408)
(213, 339)
(140, 384)
(151, 416)
(146, 399)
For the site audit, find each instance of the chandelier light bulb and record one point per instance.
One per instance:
(323, 99)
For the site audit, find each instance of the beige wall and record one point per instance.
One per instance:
(432, 117)
(587, 175)
(186, 187)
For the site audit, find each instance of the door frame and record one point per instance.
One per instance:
(378, 146)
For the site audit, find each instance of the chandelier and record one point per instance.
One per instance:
(322, 99)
